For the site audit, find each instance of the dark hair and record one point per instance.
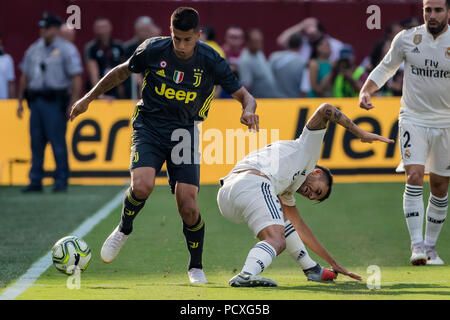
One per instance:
(447, 2)
(329, 177)
(295, 41)
(314, 45)
(185, 19)
(209, 32)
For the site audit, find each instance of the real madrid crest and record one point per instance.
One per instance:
(447, 53)
(417, 39)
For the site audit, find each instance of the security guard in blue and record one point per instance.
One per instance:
(180, 73)
(51, 82)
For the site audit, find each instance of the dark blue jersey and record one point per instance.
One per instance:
(178, 92)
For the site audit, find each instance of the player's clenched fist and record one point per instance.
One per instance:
(79, 107)
(364, 101)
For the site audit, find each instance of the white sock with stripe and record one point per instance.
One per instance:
(259, 258)
(296, 248)
(436, 214)
(413, 209)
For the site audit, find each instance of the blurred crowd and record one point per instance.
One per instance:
(311, 63)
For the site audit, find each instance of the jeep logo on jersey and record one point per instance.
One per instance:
(417, 39)
(180, 95)
(178, 76)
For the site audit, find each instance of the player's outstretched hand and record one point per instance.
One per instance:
(251, 120)
(79, 107)
(365, 102)
(369, 137)
(339, 269)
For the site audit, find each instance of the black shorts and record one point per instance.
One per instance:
(152, 146)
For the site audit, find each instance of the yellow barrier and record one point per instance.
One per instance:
(99, 140)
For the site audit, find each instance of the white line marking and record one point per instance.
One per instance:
(40, 266)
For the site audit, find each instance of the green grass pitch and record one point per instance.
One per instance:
(362, 224)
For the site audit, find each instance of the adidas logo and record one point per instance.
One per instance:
(448, 168)
(161, 73)
(415, 50)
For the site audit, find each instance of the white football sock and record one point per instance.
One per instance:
(296, 248)
(259, 258)
(436, 214)
(413, 209)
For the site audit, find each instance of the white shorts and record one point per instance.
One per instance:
(246, 197)
(425, 146)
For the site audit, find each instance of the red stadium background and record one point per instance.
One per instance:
(345, 21)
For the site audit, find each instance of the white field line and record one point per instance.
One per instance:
(40, 266)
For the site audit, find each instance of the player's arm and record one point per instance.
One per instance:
(310, 240)
(368, 89)
(382, 73)
(248, 117)
(112, 79)
(21, 93)
(326, 112)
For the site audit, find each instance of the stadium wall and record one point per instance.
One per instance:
(99, 141)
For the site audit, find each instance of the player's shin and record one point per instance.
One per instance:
(436, 214)
(195, 235)
(131, 207)
(413, 209)
(259, 258)
(296, 248)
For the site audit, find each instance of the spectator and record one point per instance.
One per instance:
(67, 33)
(347, 75)
(50, 68)
(208, 36)
(287, 67)
(254, 70)
(7, 76)
(411, 22)
(319, 67)
(144, 28)
(380, 49)
(101, 55)
(311, 30)
(233, 45)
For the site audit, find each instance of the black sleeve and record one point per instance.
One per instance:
(225, 77)
(139, 60)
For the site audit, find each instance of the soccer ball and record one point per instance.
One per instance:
(71, 253)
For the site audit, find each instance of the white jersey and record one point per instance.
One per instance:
(426, 81)
(286, 163)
